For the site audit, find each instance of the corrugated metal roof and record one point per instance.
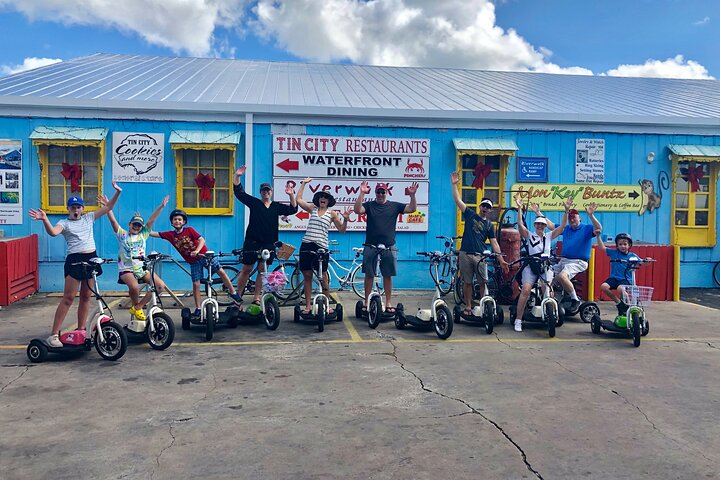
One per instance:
(487, 144)
(199, 136)
(695, 150)
(106, 83)
(69, 133)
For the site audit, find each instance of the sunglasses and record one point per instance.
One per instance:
(137, 225)
(380, 192)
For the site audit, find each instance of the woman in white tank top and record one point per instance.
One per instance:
(316, 235)
(538, 243)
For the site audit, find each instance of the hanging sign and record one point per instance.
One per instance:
(339, 164)
(138, 157)
(407, 222)
(609, 198)
(590, 160)
(10, 182)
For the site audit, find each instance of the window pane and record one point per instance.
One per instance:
(90, 196)
(469, 196)
(222, 158)
(56, 154)
(222, 178)
(701, 219)
(493, 195)
(681, 185)
(701, 201)
(207, 158)
(208, 203)
(73, 154)
(189, 175)
(468, 161)
(56, 196)
(190, 158)
(222, 199)
(704, 183)
(189, 198)
(681, 218)
(55, 176)
(468, 177)
(90, 174)
(681, 201)
(494, 215)
(91, 155)
(492, 180)
(493, 161)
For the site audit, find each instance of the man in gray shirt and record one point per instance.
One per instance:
(382, 215)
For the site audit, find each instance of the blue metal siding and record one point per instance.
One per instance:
(625, 163)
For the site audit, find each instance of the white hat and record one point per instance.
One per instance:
(487, 201)
(541, 219)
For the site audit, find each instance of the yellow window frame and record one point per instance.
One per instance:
(480, 193)
(692, 235)
(179, 153)
(43, 158)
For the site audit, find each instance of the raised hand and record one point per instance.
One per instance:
(289, 189)
(364, 187)
(568, 203)
(454, 178)
(590, 209)
(116, 187)
(347, 212)
(102, 200)
(37, 214)
(165, 200)
(412, 189)
(240, 171)
(306, 180)
(535, 208)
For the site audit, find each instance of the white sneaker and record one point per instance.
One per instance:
(518, 325)
(54, 341)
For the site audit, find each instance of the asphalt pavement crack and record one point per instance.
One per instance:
(472, 410)
(157, 459)
(709, 344)
(25, 369)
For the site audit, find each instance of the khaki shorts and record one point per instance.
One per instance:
(571, 266)
(470, 265)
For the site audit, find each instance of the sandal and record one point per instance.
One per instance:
(256, 302)
(467, 312)
(331, 311)
(306, 311)
(390, 310)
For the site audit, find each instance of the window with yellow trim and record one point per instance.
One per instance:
(81, 161)
(694, 206)
(492, 184)
(204, 180)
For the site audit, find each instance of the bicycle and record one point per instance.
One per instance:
(716, 274)
(447, 271)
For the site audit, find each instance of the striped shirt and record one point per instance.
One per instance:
(79, 233)
(317, 230)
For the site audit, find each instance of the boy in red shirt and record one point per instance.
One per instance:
(191, 245)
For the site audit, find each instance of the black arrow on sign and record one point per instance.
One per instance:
(633, 195)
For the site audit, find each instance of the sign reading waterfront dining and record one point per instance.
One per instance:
(338, 165)
(609, 198)
(138, 157)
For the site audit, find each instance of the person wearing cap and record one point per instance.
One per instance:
(316, 236)
(382, 215)
(576, 246)
(262, 229)
(619, 273)
(77, 229)
(132, 244)
(538, 245)
(479, 230)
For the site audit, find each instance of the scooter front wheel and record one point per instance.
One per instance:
(272, 313)
(374, 312)
(164, 333)
(210, 314)
(443, 322)
(321, 316)
(551, 319)
(489, 318)
(636, 329)
(37, 352)
(115, 341)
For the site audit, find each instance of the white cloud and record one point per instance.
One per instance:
(704, 21)
(429, 33)
(676, 67)
(180, 25)
(28, 64)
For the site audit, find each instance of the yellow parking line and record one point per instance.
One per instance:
(354, 335)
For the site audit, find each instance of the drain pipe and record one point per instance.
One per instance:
(249, 184)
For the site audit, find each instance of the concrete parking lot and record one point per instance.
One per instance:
(358, 403)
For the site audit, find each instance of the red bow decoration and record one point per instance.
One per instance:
(74, 174)
(481, 172)
(693, 176)
(205, 182)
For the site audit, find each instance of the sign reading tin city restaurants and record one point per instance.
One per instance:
(609, 198)
(138, 157)
(338, 165)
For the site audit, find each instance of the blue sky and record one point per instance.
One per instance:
(668, 38)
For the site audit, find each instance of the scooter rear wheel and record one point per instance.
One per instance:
(37, 352)
(489, 318)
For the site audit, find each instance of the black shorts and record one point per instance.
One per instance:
(251, 251)
(308, 257)
(78, 272)
(614, 283)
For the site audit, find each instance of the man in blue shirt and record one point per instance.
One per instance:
(577, 243)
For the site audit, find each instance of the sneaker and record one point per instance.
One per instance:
(575, 304)
(518, 325)
(138, 312)
(54, 341)
(622, 308)
(236, 298)
(196, 313)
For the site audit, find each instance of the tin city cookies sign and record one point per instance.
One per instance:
(338, 165)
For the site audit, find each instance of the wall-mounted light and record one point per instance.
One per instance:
(651, 157)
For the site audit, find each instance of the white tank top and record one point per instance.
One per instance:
(539, 245)
(317, 230)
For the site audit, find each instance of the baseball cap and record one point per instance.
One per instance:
(572, 211)
(137, 219)
(381, 186)
(486, 202)
(75, 201)
(541, 219)
(265, 186)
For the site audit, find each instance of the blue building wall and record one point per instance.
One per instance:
(625, 163)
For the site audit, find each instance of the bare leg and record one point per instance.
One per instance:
(84, 303)
(387, 284)
(133, 287)
(196, 293)
(522, 300)
(69, 292)
(606, 290)
(258, 282)
(368, 281)
(307, 288)
(226, 281)
(566, 284)
(243, 278)
(468, 294)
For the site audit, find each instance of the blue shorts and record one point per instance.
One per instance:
(197, 269)
(614, 283)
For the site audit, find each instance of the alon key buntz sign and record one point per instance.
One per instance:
(609, 198)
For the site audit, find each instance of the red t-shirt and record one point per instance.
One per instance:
(185, 242)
